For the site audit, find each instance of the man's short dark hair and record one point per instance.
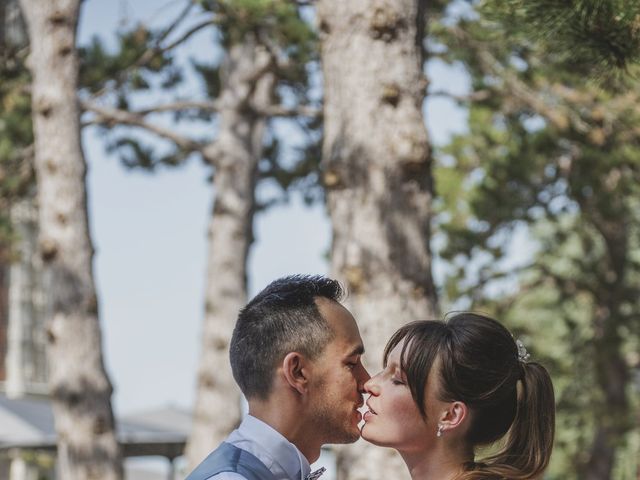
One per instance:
(280, 319)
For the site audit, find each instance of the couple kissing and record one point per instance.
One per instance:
(446, 388)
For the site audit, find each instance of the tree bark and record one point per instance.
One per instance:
(4, 309)
(12, 31)
(376, 164)
(613, 375)
(247, 88)
(79, 387)
(3, 20)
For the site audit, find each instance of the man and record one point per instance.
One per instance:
(296, 355)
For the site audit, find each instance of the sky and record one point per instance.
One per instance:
(149, 231)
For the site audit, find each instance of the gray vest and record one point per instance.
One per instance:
(228, 458)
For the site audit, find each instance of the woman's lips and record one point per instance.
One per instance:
(369, 413)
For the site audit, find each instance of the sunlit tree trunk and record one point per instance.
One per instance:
(247, 87)
(79, 387)
(376, 168)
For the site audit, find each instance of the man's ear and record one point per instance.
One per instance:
(295, 371)
(454, 416)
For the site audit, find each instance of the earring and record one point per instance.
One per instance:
(440, 429)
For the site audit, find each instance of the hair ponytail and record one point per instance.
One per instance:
(530, 438)
(529, 441)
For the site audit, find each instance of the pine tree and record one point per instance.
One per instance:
(16, 138)
(598, 37)
(557, 159)
(266, 49)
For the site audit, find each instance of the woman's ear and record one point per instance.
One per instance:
(454, 416)
(294, 371)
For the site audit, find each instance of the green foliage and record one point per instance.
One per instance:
(134, 154)
(16, 136)
(555, 163)
(275, 23)
(599, 37)
(277, 19)
(142, 61)
(300, 175)
(100, 69)
(210, 78)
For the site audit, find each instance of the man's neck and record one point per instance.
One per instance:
(289, 422)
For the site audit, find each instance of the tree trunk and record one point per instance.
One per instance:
(79, 387)
(612, 372)
(4, 309)
(235, 156)
(376, 163)
(613, 379)
(3, 22)
(12, 31)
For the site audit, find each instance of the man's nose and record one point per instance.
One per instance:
(363, 378)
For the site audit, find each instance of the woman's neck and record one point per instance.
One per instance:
(443, 462)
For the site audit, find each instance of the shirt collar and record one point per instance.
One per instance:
(276, 446)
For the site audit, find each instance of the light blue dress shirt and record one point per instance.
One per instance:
(278, 454)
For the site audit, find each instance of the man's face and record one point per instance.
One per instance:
(338, 378)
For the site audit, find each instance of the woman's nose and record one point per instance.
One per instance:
(371, 386)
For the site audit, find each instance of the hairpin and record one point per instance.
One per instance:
(523, 355)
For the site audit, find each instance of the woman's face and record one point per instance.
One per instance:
(393, 419)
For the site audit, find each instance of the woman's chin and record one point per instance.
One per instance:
(370, 437)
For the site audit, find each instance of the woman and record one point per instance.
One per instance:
(450, 387)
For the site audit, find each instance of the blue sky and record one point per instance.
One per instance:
(149, 231)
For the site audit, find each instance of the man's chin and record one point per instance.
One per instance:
(352, 438)
(348, 436)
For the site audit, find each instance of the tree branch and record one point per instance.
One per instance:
(279, 56)
(476, 96)
(146, 56)
(181, 16)
(299, 111)
(559, 115)
(181, 105)
(196, 28)
(215, 106)
(111, 117)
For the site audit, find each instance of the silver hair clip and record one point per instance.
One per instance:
(523, 355)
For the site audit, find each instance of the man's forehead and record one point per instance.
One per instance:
(335, 314)
(342, 323)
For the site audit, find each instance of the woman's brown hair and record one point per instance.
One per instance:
(480, 365)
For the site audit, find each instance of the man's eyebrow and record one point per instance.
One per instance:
(359, 350)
